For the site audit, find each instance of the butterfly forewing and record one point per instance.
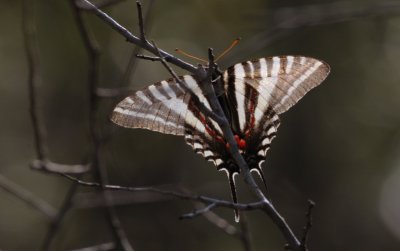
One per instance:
(161, 107)
(280, 81)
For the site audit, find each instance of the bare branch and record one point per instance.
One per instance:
(183, 196)
(28, 197)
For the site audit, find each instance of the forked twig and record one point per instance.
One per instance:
(198, 212)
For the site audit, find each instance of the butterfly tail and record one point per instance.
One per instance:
(263, 178)
(233, 193)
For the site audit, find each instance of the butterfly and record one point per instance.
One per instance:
(254, 94)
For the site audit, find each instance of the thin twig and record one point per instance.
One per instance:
(141, 20)
(131, 67)
(198, 212)
(307, 227)
(150, 58)
(28, 197)
(183, 196)
(245, 233)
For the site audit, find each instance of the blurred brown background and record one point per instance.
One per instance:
(339, 146)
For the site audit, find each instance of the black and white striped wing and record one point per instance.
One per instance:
(161, 107)
(262, 89)
(281, 81)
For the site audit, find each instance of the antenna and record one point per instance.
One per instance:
(190, 55)
(230, 47)
(233, 44)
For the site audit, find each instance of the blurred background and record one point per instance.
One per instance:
(339, 146)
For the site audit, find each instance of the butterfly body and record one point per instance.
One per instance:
(252, 95)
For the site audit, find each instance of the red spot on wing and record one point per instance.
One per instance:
(210, 131)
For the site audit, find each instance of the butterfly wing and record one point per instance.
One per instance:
(161, 107)
(262, 89)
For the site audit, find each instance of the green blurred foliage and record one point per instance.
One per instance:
(337, 147)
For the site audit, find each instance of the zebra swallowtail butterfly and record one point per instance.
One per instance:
(254, 94)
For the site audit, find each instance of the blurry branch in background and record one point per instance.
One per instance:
(42, 162)
(34, 80)
(28, 197)
(56, 224)
(93, 53)
(284, 21)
